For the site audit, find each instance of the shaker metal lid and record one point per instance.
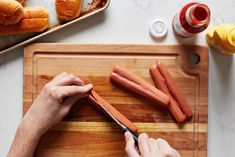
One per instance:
(158, 28)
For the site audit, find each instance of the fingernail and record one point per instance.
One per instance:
(127, 136)
(89, 86)
(145, 135)
(82, 82)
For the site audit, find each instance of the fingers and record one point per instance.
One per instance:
(67, 91)
(166, 149)
(60, 92)
(162, 143)
(177, 153)
(153, 145)
(143, 144)
(65, 79)
(69, 102)
(130, 146)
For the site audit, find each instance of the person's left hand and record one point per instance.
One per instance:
(54, 102)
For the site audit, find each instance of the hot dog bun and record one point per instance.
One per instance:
(68, 10)
(11, 12)
(21, 1)
(35, 19)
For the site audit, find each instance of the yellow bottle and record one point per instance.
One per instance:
(222, 38)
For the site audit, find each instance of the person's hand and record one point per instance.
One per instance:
(54, 102)
(148, 147)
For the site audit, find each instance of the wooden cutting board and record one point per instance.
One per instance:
(88, 132)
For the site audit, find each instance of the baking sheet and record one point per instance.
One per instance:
(89, 8)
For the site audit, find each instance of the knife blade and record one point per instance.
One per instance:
(123, 127)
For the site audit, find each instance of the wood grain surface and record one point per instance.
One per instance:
(86, 131)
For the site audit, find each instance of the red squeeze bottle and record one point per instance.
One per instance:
(192, 19)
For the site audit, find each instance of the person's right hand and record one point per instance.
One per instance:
(148, 147)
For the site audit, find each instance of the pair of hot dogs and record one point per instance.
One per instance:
(166, 93)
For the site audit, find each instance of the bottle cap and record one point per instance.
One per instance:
(158, 28)
(231, 38)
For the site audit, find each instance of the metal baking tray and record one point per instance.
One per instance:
(89, 8)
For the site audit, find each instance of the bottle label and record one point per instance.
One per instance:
(178, 27)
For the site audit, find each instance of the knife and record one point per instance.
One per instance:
(123, 127)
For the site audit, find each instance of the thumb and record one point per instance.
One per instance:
(76, 93)
(67, 91)
(69, 102)
(130, 146)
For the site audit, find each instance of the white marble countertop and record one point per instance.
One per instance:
(126, 22)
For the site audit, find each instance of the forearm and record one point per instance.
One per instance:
(47, 110)
(25, 141)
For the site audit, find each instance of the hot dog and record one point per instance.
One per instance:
(160, 84)
(138, 85)
(95, 97)
(21, 1)
(175, 92)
